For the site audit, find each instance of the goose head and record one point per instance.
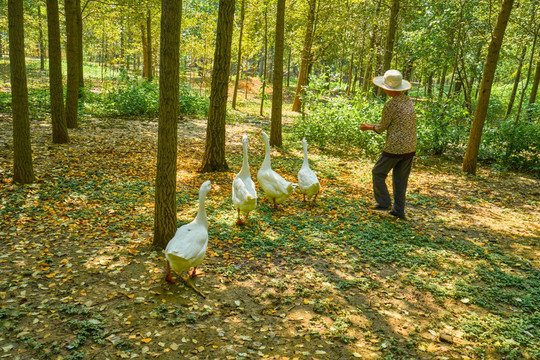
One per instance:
(205, 188)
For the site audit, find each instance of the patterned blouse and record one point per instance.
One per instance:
(399, 120)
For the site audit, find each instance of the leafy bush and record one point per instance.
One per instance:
(335, 121)
(512, 144)
(143, 100)
(441, 125)
(192, 103)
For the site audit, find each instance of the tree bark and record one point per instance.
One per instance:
(150, 61)
(516, 83)
(442, 81)
(371, 51)
(214, 153)
(80, 48)
(239, 58)
(306, 58)
(277, 93)
(471, 155)
(41, 45)
(169, 94)
(350, 76)
(23, 171)
(72, 52)
(56, 87)
(534, 89)
(264, 69)
(145, 51)
(390, 38)
(289, 68)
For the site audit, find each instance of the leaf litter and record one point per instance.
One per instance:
(327, 280)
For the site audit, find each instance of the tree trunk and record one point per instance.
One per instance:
(371, 52)
(534, 90)
(23, 171)
(41, 45)
(443, 79)
(277, 93)
(430, 85)
(516, 83)
(72, 52)
(390, 38)
(349, 79)
(263, 90)
(145, 51)
(165, 208)
(471, 155)
(289, 68)
(306, 58)
(58, 118)
(214, 153)
(80, 48)
(149, 45)
(239, 58)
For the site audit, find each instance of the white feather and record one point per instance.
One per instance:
(308, 183)
(244, 194)
(275, 187)
(188, 246)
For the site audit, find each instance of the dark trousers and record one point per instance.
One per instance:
(401, 168)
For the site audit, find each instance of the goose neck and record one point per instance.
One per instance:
(306, 161)
(266, 163)
(201, 213)
(245, 162)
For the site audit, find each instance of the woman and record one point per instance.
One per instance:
(398, 119)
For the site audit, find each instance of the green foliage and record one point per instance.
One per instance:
(88, 329)
(333, 121)
(143, 100)
(506, 334)
(514, 145)
(191, 103)
(441, 125)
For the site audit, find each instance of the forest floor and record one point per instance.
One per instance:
(459, 279)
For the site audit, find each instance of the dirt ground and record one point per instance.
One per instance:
(80, 279)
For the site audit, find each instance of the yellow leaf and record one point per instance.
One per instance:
(146, 340)
(131, 296)
(50, 275)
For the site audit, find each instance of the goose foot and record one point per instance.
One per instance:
(195, 273)
(275, 204)
(190, 284)
(169, 276)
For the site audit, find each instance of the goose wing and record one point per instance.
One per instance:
(187, 247)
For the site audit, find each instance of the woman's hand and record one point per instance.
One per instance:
(365, 127)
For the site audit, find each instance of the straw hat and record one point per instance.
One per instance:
(392, 80)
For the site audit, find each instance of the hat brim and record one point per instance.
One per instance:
(378, 81)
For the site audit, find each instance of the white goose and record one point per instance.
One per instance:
(188, 246)
(275, 187)
(308, 184)
(244, 195)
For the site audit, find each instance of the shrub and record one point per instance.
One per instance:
(514, 145)
(143, 100)
(335, 121)
(441, 125)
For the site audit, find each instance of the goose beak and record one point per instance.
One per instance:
(258, 132)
